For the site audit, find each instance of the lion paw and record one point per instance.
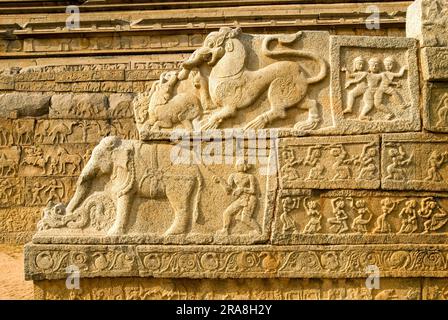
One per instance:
(257, 123)
(307, 125)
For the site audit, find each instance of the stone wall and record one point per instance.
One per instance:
(62, 90)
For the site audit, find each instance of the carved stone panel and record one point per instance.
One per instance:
(330, 162)
(70, 131)
(348, 216)
(414, 162)
(435, 106)
(374, 84)
(187, 192)
(434, 64)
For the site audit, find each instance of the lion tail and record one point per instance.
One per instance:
(323, 69)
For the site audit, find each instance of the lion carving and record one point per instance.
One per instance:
(233, 87)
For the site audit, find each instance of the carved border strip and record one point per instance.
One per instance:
(50, 262)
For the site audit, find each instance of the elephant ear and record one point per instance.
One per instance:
(232, 62)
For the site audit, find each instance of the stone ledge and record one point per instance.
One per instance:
(49, 262)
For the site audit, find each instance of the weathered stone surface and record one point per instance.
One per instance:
(435, 106)
(330, 162)
(434, 64)
(414, 162)
(225, 289)
(199, 262)
(428, 22)
(374, 84)
(360, 217)
(23, 104)
(120, 106)
(79, 106)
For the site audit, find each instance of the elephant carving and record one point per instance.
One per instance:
(131, 169)
(232, 86)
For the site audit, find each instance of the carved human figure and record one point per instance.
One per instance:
(342, 162)
(442, 112)
(338, 223)
(396, 170)
(35, 157)
(288, 170)
(436, 216)
(357, 77)
(371, 97)
(233, 87)
(387, 207)
(289, 204)
(243, 187)
(435, 163)
(312, 160)
(54, 191)
(36, 197)
(408, 216)
(388, 86)
(368, 169)
(363, 218)
(315, 217)
(8, 189)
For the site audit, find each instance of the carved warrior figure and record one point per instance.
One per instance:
(243, 187)
(123, 164)
(312, 159)
(367, 162)
(342, 162)
(233, 87)
(288, 170)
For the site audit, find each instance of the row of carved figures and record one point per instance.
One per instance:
(434, 215)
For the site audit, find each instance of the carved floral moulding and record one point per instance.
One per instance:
(311, 261)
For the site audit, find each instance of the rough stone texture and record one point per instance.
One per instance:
(356, 181)
(429, 22)
(23, 104)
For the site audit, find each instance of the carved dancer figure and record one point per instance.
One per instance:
(408, 216)
(242, 186)
(342, 162)
(52, 192)
(396, 170)
(234, 87)
(387, 207)
(436, 216)
(339, 222)
(289, 204)
(313, 212)
(288, 170)
(371, 98)
(363, 218)
(312, 159)
(435, 163)
(442, 111)
(388, 84)
(367, 162)
(358, 77)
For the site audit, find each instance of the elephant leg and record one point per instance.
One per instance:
(178, 194)
(123, 208)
